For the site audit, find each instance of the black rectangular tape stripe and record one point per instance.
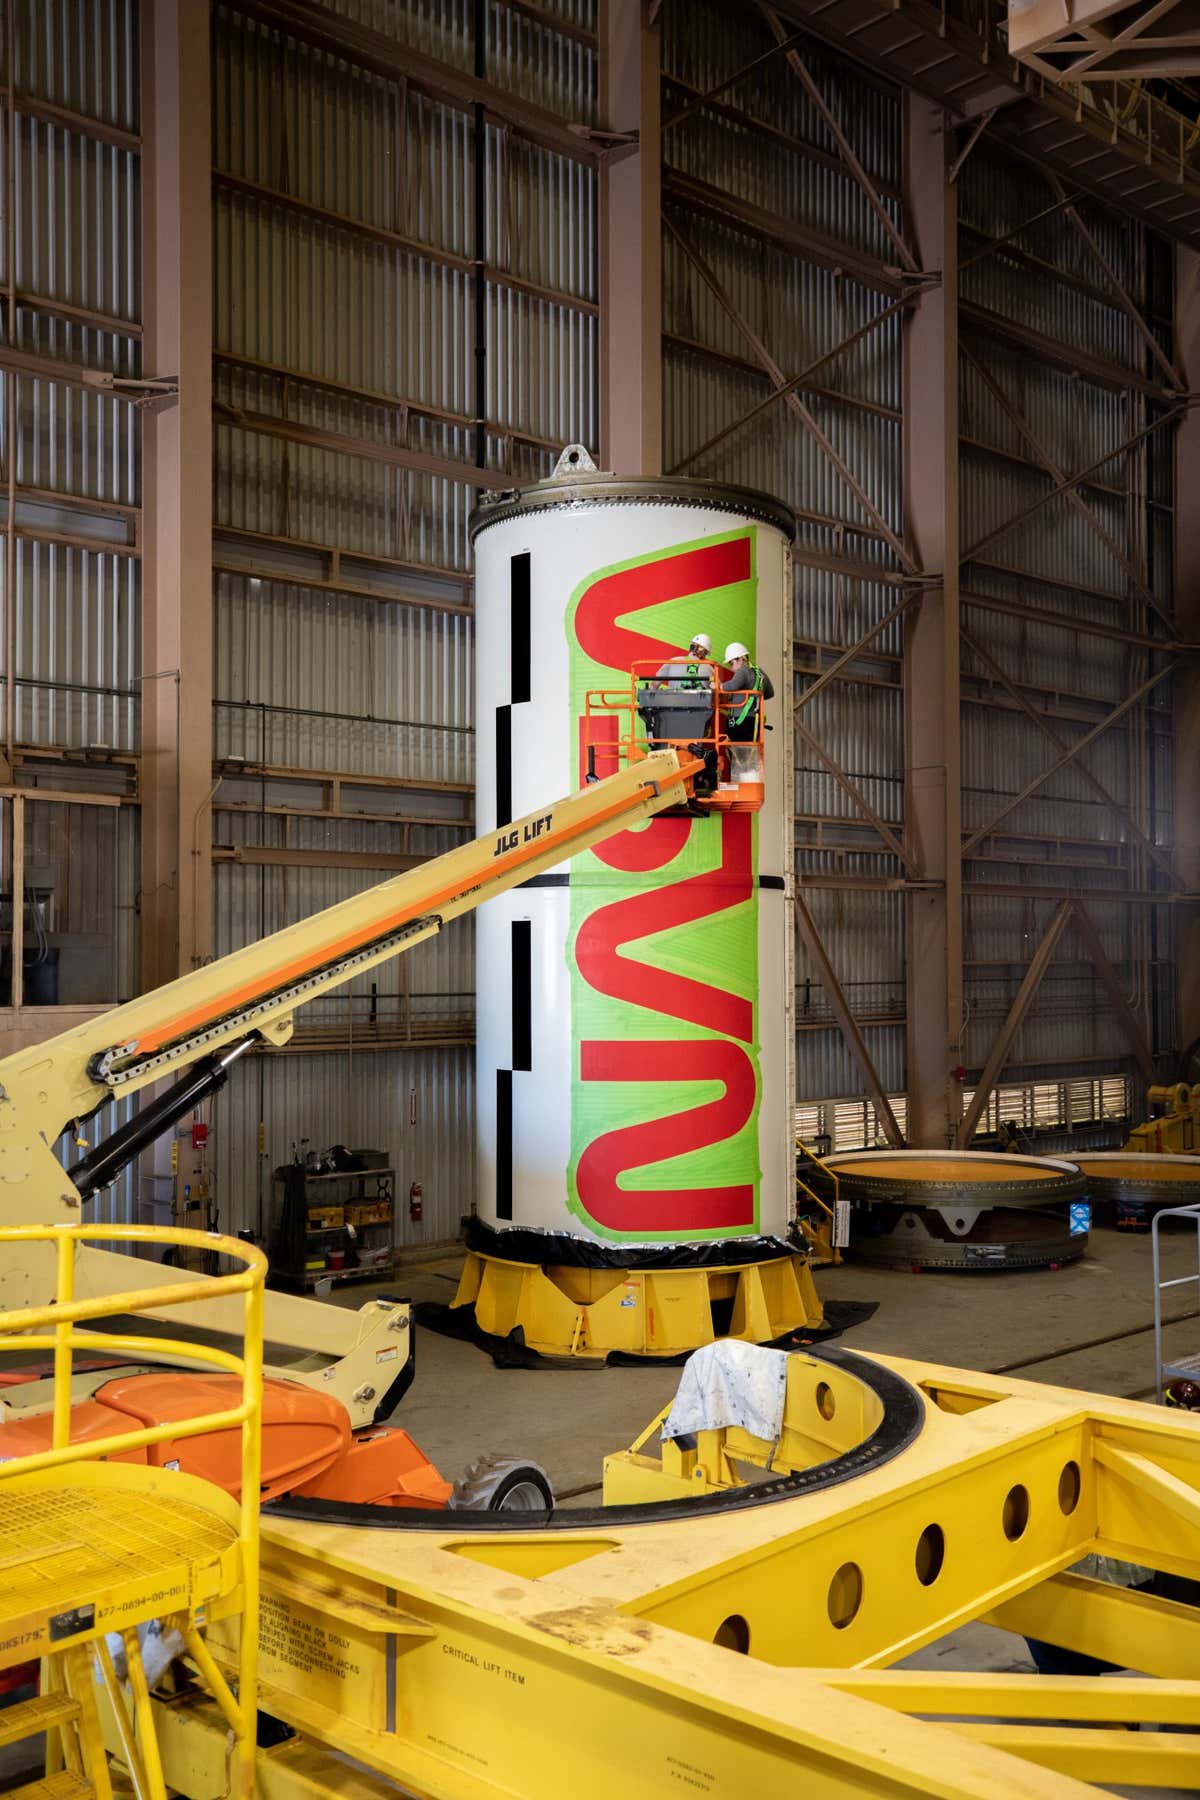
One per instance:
(522, 994)
(503, 767)
(520, 649)
(504, 1143)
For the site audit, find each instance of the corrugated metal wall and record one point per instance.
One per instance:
(344, 233)
(801, 308)
(1022, 413)
(70, 591)
(344, 300)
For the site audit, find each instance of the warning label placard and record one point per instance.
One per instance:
(330, 1663)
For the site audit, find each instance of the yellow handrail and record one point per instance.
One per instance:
(829, 1211)
(53, 1328)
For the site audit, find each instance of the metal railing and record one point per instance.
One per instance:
(53, 1328)
(1189, 1366)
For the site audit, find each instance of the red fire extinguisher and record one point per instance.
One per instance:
(416, 1195)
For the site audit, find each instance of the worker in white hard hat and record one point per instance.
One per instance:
(692, 673)
(741, 724)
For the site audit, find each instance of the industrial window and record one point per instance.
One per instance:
(1030, 1106)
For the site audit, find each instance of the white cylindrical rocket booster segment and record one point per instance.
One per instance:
(635, 1007)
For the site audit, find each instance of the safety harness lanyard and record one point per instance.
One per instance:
(752, 702)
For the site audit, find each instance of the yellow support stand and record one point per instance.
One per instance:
(585, 1314)
(95, 1541)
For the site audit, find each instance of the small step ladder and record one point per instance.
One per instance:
(76, 1766)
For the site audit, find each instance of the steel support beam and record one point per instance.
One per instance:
(631, 409)
(1074, 499)
(1039, 962)
(794, 238)
(789, 387)
(1152, 850)
(1125, 299)
(847, 1023)
(1128, 1020)
(341, 443)
(176, 901)
(855, 795)
(1186, 687)
(932, 733)
(1067, 755)
(845, 148)
(344, 38)
(1069, 482)
(791, 398)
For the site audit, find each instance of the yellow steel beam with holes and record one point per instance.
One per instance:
(1150, 1482)
(611, 1648)
(1140, 1758)
(1117, 1624)
(963, 1695)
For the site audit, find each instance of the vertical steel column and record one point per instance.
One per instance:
(933, 931)
(1186, 679)
(631, 399)
(176, 919)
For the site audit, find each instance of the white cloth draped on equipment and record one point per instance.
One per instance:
(730, 1383)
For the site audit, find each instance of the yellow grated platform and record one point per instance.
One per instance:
(63, 1786)
(29, 1717)
(80, 1557)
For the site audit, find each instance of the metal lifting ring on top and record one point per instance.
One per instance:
(600, 488)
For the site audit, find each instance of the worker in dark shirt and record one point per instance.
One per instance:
(741, 724)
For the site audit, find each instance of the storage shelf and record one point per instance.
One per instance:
(334, 1191)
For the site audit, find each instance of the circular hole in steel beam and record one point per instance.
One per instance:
(845, 1595)
(1015, 1516)
(931, 1554)
(1070, 1486)
(733, 1633)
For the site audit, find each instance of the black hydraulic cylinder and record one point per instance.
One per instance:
(102, 1164)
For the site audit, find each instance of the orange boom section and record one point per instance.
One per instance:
(307, 1444)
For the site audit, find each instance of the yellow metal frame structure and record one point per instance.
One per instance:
(1176, 1130)
(754, 1641)
(140, 1541)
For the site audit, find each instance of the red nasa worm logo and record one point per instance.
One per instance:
(611, 928)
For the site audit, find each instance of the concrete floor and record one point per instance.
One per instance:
(460, 1404)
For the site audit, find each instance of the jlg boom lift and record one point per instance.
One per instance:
(346, 1371)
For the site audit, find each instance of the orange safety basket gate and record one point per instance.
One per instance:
(689, 714)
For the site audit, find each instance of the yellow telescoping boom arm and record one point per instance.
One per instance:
(253, 994)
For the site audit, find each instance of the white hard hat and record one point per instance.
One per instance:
(734, 651)
(701, 637)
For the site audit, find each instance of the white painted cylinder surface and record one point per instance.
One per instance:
(635, 1007)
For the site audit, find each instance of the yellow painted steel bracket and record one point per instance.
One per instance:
(752, 1642)
(256, 990)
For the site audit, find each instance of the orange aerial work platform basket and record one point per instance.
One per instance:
(691, 715)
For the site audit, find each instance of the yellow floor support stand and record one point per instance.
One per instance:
(587, 1313)
(96, 1541)
(1175, 1130)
